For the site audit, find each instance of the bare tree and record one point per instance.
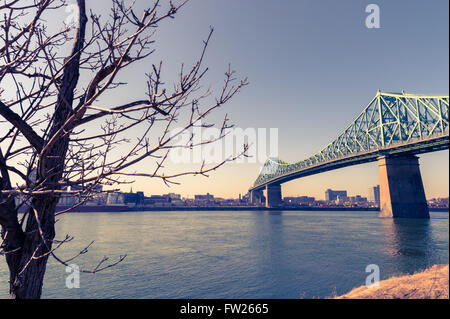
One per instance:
(58, 137)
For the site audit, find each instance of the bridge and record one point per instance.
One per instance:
(392, 129)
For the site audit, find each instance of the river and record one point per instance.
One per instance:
(238, 254)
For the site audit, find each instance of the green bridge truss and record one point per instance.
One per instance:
(389, 121)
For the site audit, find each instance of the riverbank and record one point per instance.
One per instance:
(252, 208)
(123, 208)
(432, 283)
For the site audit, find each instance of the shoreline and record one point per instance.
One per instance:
(92, 209)
(431, 283)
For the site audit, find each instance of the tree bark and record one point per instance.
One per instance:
(27, 265)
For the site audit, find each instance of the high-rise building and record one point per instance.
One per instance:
(374, 194)
(331, 195)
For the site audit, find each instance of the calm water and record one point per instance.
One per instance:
(239, 254)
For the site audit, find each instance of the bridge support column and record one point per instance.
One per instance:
(273, 195)
(401, 188)
(256, 197)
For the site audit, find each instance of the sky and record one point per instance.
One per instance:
(312, 66)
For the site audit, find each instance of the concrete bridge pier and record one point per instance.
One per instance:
(401, 188)
(256, 197)
(273, 195)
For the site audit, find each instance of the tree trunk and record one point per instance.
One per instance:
(27, 265)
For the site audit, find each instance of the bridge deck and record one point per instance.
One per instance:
(419, 146)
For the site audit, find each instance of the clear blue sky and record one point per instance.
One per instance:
(312, 67)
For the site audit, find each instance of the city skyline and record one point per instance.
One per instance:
(137, 200)
(369, 194)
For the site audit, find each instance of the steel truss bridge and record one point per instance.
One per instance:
(391, 124)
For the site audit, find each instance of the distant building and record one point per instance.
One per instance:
(299, 201)
(66, 199)
(115, 199)
(132, 199)
(331, 195)
(358, 199)
(157, 200)
(89, 194)
(173, 196)
(208, 196)
(174, 199)
(204, 200)
(374, 194)
(438, 202)
(341, 199)
(246, 199)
